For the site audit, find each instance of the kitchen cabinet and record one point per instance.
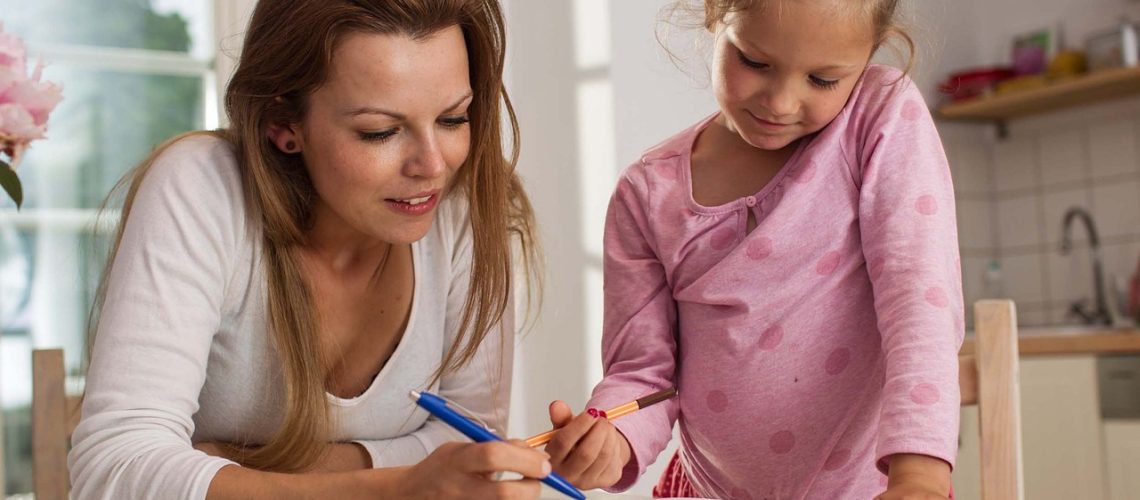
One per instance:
(1062, 433)
(1122, 456)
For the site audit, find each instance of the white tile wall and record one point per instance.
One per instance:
(1062, 156)
(975, 225)
(1112, 149)
(970, 166)
(1019, 221)
(1116, 208)
(1024, 280)
(1070, 276)
(1033, 176)
(1056, 203)
(1014, 164)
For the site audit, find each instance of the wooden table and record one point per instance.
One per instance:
(1051, 341)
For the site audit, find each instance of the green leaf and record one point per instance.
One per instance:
(11, 184)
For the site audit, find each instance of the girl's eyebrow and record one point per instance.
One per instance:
(753, 49)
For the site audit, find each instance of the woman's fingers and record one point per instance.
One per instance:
(510, 490)
(498, 456)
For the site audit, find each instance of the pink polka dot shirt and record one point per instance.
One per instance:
(811, 349)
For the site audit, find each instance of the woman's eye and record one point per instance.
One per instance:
(822, 83)
(455, 121)
(378, 136)
(750, 63)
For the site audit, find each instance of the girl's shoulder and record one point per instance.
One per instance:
(665, 162)
(882, 88)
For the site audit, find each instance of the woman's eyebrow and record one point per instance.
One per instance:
(372, 110)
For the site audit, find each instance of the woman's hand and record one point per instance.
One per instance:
(589, 452)
(467, 470)
(917, 477)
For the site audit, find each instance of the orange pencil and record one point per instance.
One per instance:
(610, 414)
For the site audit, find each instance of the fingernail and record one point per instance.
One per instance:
(546, 468)
(594, 412)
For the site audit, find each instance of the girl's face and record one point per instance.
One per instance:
(784, 69)
(383, 137)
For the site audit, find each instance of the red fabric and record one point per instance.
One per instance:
(673, 482)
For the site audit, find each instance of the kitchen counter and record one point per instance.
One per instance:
(1062, 340)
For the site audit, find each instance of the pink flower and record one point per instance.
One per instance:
(25, 101)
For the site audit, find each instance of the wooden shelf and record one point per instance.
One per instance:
(1099, 86)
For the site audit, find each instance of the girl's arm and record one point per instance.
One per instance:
(910, 242)
(639, 348)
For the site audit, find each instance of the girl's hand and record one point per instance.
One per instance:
(587, 451)
(912, 491)
(917, 477)
(466, 470)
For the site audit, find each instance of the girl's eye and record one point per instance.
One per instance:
(823, 84)
(379, 136)
(455, 121)
(750, 63)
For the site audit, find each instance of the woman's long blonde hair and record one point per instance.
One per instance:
(285, 57)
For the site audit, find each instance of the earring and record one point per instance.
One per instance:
(290, 147)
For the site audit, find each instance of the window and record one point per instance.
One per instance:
(134, 73)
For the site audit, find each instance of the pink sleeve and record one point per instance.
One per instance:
(638, 342)
(909, 238)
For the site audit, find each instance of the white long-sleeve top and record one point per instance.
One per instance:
(183, 353)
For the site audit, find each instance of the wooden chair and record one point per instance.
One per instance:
(989, 379)
(54, 417)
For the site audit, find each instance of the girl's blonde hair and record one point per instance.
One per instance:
(882, 13)
(286, 56)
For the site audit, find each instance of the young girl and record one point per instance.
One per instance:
(278, 288)
(790, 264)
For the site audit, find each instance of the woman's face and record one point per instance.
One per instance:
(387, 131)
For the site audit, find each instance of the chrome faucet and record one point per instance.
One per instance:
(1100, 314)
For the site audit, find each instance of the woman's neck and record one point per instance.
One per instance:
(341, 248)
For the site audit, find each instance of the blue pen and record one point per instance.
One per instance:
(438, 406)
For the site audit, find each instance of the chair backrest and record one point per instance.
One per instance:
(54, 417)
(989, 378)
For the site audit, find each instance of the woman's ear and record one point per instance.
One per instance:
(285, 138)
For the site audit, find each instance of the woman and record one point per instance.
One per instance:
(279, 287)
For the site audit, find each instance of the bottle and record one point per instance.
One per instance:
(992, 285)
(1134, 295)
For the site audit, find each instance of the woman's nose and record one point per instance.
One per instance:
(427, 160)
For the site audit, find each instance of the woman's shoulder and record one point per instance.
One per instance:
(202, 163)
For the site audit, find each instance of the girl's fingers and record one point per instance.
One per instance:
(567, 437)
(560, 414)
(589, 450)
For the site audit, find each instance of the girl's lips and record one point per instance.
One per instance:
(768, 125)
(414, 209)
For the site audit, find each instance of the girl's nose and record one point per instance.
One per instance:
(781, 100)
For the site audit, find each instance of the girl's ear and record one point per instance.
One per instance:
(285, 138)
